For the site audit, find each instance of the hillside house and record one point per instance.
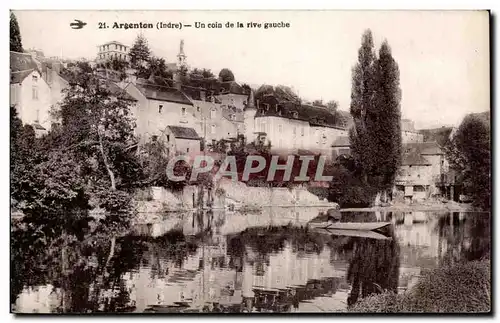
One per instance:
(182, 140)
(30, 93)
(159, 107)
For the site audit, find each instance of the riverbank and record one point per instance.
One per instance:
(424, 206)
(459, 288)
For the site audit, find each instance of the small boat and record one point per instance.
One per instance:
(360, 226)
(354, 233)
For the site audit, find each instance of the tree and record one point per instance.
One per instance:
(469, 154)
(375, 107)
(15, 35)
(332, 105)
(157, 67)
(318, 103)
(97, 127)
(139, 53)
(226, 75)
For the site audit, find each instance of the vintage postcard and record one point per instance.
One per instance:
(250, 162)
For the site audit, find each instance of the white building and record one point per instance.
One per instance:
(112, 50)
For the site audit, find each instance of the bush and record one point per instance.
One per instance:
(460, 288)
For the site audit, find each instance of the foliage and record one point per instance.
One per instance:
(469, 153)
(15, 35)
(139, 53)
(332, 105)
(281, 92)
(226, 75)
(461, 288)
(375, 107)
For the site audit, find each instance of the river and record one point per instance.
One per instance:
(231, 262)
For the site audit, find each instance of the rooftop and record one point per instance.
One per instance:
(414, 159)
(424, 148)
(439, 135)
(184, 132)
(163, 93)
(316, 116)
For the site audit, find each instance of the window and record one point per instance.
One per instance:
(263, 126)
(198, 109)
(35, 93)
(212, 114)
(294, 131)
(35, 78)
(168, 138)
(183, 112)
(231, 117)
(187, 149)
(212, 129)
(154, 138)
(160, 108)
(302, 132)
(280, 128)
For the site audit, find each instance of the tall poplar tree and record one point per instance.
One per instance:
(385, 133)
(15, 35)
(375, 107)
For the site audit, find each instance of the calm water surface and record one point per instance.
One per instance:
(221, 262)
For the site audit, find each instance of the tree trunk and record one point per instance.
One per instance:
(377, 199)
(105, 160)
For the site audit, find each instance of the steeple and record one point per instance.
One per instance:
(181, 57)
(250, 103)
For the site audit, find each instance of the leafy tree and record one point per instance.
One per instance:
(282, 93)
(375, 107)
(207, 73)
(332, 105)
(139, 53)
(469, 153)
(15, 35)
(318, 103)
(226, 75)
(157, 67)
(98, 128)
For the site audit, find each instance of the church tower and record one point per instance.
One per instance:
(249, 118)
(181, 57)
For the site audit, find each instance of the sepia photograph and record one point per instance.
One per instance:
(250, 161)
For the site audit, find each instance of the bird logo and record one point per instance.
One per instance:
(78, 24)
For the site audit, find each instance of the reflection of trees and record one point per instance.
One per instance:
(374, 267)
(89, 280)
(466, 239)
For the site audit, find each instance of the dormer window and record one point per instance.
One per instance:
(266, 106)
(295, 114)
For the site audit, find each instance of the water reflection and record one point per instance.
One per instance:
(220, 262)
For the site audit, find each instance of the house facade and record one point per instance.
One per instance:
(217, 121)
(159, 107)
(408, 132)
(414, 178)
(233, 95)
(30, 93)
(290, 127)
(182, 140)
(112, 50)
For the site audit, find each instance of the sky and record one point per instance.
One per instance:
(443, 56)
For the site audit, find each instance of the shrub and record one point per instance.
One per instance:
(459, 288)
